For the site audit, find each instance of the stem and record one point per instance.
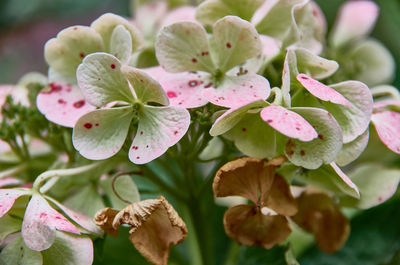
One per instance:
(232, 255)
(13, 170)
(24, 146)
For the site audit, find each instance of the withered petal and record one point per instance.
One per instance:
(156, 226)
(319, 214)
(280, 198)
(248, 226)
(104, 218)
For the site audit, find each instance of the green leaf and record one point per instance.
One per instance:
(258, 255)
(121, 44)
(17, 252)
(9, 225)
(125, 187)
(236, 41)
(352, 150)
(86, 200)
(101, 133)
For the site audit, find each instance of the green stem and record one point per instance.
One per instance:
(24, 146)
(13, 170)
(232, 255)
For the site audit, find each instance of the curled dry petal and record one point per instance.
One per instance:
(320, 215)
(104, 218)
(155, 227)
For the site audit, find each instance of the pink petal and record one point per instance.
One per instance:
(9, 181)
(8, 197)
(63, 104)
(288, 123)
(4, 147)
(236, 91)
(387, 125)
(184, 13)
(322, 91)
(157, 72)
(185, 89)
(271, 46)
(386, 103)
(40, 224)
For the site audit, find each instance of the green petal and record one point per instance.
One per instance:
(253, 137)
(236, 41)
(121, 44)
(106, 24)
(101, 81)
(315, 66)
(322, 150)
(146, 88)
(184, 47)
(289, 75)
(352, 150)
(213, 150)
(353, 120)
(17, 252)
(8, 226)
(65, 52)
(86, 200)
(101, 133)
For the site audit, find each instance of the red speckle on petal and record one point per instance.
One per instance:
(208, 85)
(302, 152)
(43, 215)
(54, 87)
(298, 128)
(175, 132)
(79, 104)
(221, 98)
(194, 60)
(88, 125)
(380, 199)
(81, 55)
(244, 129)
(138, 157)
(141, 133)
(304, 77)
(193, 83)
(228, 45)
(171, 94)
(61, 101)
(97, 125)
(269, 121)
(112, 66)
(204, 53)
(320, 136)
(147, 146)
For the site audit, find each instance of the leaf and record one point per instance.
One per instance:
(387, 125)
(236, 41)
(183, 47)
(352, 150)
(17, 252)
(159, 128)
(125, 187)
(101, 133)
(8, 226)
(121, 44)
(258, 255)
(101, 81)
(86, 200)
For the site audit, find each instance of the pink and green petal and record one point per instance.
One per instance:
(233, 116)
(146, 88)
(387, 125)
(289, 74)
(101, 80)
(322, 91)
(16, 252)
(352, 150)
(157, 72)
(183, 13)
(9, 181)
(313, 65)
(288, 123)
(69, 250)
(324, 148)
(101, 133)
(236, 41)
(62, 104)
(236, 91)
(355, 21)
(355, 120)
(65, 52)
(121, 44)
(8, 197)
(159, 128)
(184, 47)
(106, 24)
(41, 222)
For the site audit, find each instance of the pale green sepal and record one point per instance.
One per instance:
(18, 253)
(125, 187)
(9, 225)
(86, 200)
(208, 12)
(313, 65)
(352, 150)
(213, 150)
(121, 44)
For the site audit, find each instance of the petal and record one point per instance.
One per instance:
(355, 120)
(101, 81)
(387, 125)
(315, 66)
(352, 150)
(236, 41)
(280, 199)
(106, 24)
(125, 187)
(146, 88)
(355, 21)
(69, 250)
(40, 224)
(185, 89)
(10, 181)
(65, 52)
(62, 104)
(322, 91)
(183, 13)
(236, 91)
(231, 117)
(17, 252)
(248, 227)
(320, 215)
(8, 197)
(121, 44)
(288, 123)
(85, 199)
(321, 150)
(183, 47)
(289, 74)
(148, 17)
(156, 226)
(101, 133)
(159, 128)
(157, 72)
(104, 218)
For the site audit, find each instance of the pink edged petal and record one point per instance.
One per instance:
(386, 103)
(387, 125)
(356, 19)
(40, 224)
(9, 181)
(8, 197)
(347, 181)
(184, 13)
(322, 91)
(236, 91)
(159, 128)
(63, 104)
(185, 89)
(288, 123)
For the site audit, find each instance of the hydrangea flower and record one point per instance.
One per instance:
(204, 64)
(101, 133)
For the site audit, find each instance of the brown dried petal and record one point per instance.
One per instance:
(280, 199)
(104, 218)
(155, 227)
(320, 215)
(248, 226)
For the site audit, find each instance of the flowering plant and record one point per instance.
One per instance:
(216, 128)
